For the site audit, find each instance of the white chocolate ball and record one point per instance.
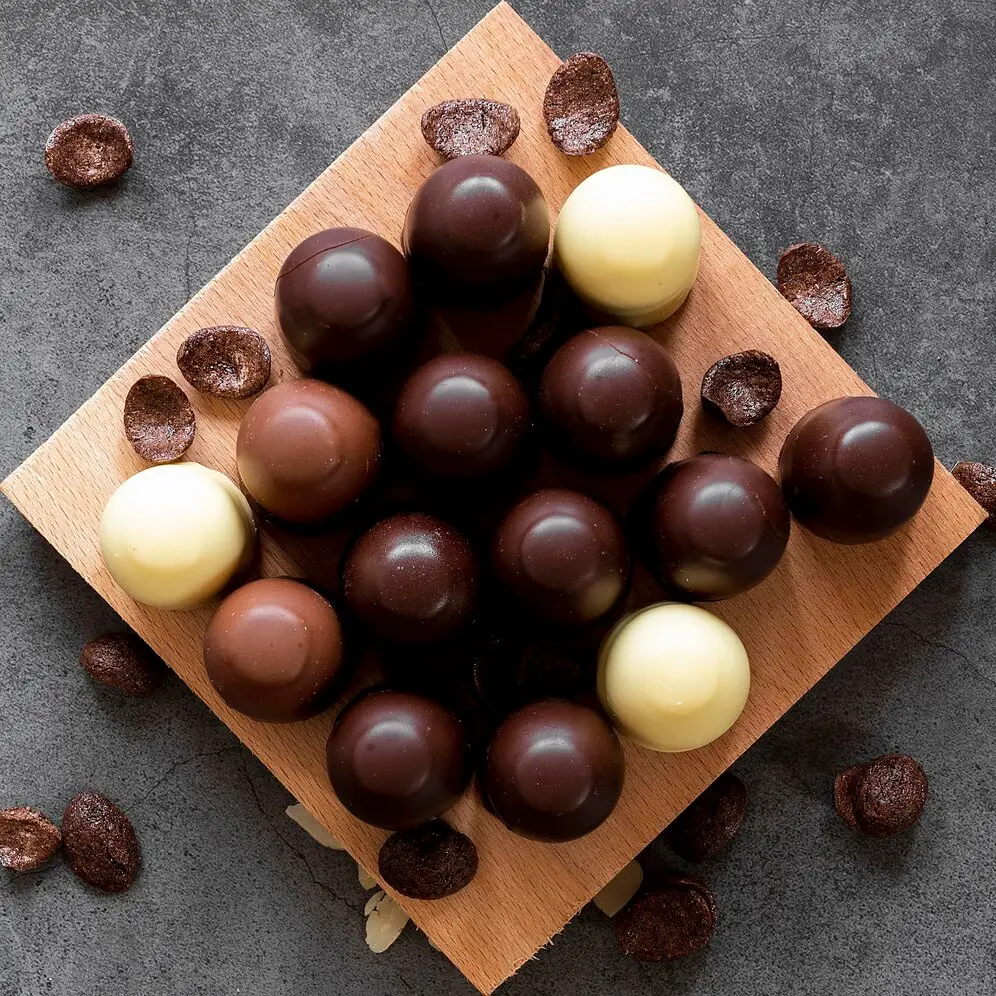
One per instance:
(627, 241)
(673, 677)
(173, 536)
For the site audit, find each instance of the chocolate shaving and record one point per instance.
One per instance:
(226, 361)
(158, 419)
(979, 480)
(100, 843)
(581, 104)
(814, 280)
(711, 821)
(28, 838)
(471, 126)
(673, 921)
(883, 797)
(89, 150)
(743, 388)
(430, 862)
(123, 661)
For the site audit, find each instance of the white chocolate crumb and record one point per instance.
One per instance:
(312, 827)
(367, 881)
(385, 921)
(617, 893)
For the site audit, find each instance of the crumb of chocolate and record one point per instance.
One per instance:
(225, 361)
(28, 838)
(743, 388)
(89, 150)
(158, 419)
(979, 480)
(430, 862)
(100, 842)
(672, 921)
(471, 126)
(581, 104)
(816, 283)
(124, 661)
(882, 797)
(711, 822)
(845, 787)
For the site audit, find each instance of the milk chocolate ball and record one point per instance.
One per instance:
(342, 295)
(397, 759)
(562, 555)
(411, 579)
(461, 415)
(306, 450)
(274, 650)
(712, 526)
(554, 771)
(856, 469)
(611, 397)
(478, 226)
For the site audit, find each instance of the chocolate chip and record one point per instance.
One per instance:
(979, 480)
(743, 388)
(431, 862)
(814, 280)
(581, 104)
(845, 787)
(470, 127)
(711, 821)
(158, 419)
(226, 361)
(672, 921)
(100, 842)
(124, 661)
(89, 150)
(28, 839)
(883, 797)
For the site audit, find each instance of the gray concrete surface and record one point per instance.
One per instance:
(867, 125)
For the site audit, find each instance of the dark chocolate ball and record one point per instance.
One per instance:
(855, 469)
(342, 295)
(397, 759)
(478, 225)
(461, 415)
(411, 579)
(274, 650)
(554, 771)
(712, 526)
(611, 396)
(306, 450)
(562, 555)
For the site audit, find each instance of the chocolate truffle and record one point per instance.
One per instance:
(397, 759)
(854, 470)
(478, 226)
(461, 415)
(274, 650)
(562, 555)
(342, 295)
(612, 397)
(411, 579)
(306, 450)
(553, 771)
(712, 526)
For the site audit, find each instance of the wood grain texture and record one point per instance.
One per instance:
(796, 625)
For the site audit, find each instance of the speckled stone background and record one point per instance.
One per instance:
(866, 125)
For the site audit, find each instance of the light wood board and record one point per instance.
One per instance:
(796, 626)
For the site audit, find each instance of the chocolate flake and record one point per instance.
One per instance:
(158, 419)
(581, 104)
(672, 921)
(430, 862)
(814, 280)
(225, 361)
(123, 661)
(28, 838)
(471, 126)
(89, 150)
(979, 480)
(882, 797)
(711, 821)
(100, 842)
(743, 388)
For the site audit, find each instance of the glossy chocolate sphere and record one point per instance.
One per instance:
(611, 397)
(411, 579)
(554, 771)
(712, 526)
(342, 295)
(461, 415)
(306, 450)
(397, 759)
(562, 555)
(854, 470)
(478, 226)
(274, 650)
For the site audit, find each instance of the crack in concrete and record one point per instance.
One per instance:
(170, 771)
(439, 27)
(938, 645)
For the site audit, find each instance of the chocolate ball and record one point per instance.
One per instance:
(562, 555)
(461, 415)
(397, 759)
(306, 450)
(712, 526)
(411, 579)
(611, 397)
(342, 295)
(855, 469)
(478, 226)
(274, 650)
(554, 771)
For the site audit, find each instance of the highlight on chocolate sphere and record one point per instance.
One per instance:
(274, 650)
(611, 397)
(306, 450)
(411, 578)
(712, 526)
(461, 415)
(563, 556)
(397, 759)
(553, 771)
(673, 677)
(342, 296)
(856, 469)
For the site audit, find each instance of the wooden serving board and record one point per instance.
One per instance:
(822, 599)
